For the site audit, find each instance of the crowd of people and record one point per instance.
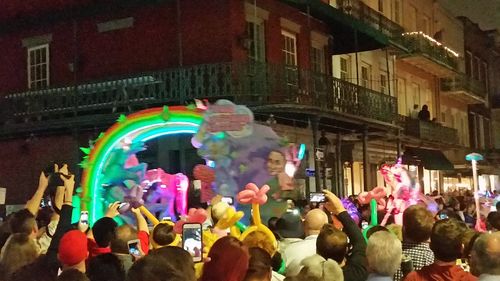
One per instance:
(316, 243)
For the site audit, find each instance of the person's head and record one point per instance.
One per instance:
(446, 240)
(73, 250)
(332, 243)
(374, 229)
(123, 234)
(493, 221)
(154, 268)
(163, 235)
(314, 221)
(72, 275)
(316, 268)
(18, 251)
(261, 240)
(485, 256)
(383, 253)
(23, 221)
(425, 107)
(417, 224)
(228, 261)
(468, 239)
(104, 231)
(105, 267)
(259, 266)
(177, 258)
(290, 226)
(397, 230)
(275, 162)
(415, 106)
(39, 270)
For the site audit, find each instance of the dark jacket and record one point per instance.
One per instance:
(355, 268)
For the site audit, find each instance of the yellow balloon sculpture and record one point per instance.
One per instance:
(252, 194)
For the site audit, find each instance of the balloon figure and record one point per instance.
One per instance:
(166, 191)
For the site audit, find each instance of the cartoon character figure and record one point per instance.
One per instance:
(166, 193)
(122, 164)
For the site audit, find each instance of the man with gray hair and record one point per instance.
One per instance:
(485, 257)
(383, 253)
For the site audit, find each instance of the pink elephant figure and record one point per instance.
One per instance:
(169, 194)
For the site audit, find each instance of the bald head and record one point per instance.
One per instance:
(314, 221)
(486, 254)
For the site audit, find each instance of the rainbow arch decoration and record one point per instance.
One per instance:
(140, 126)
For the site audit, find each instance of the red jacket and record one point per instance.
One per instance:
(436, 272)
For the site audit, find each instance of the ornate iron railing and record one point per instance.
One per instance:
(253, 84)
(416, 43)
(430, 131)
(367, 15)
(463, 83)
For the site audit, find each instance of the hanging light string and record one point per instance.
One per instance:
(432, 40)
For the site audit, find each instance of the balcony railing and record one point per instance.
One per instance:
(251, 84)
(367, 15)
(465, 84)
(416, 43)
(429, 131)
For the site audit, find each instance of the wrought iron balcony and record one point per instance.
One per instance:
(367, 15)
(428, 55)
(429, 131)
(251, 84)
(464, 89)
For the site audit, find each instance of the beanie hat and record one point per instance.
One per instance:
(73, 248)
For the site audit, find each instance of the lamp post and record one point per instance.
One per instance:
(474, 157)
(324, 145)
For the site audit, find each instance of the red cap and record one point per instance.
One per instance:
(73, 248)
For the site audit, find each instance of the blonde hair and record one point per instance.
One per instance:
(260, 239)
(383, 253)
(316, 268)
(18, 251)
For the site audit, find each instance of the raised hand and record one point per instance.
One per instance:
(113, 210)
(333, 203)
(43, 181)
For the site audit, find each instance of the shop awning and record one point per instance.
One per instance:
(343, 27)
(429, 158)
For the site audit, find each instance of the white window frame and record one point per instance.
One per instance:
(383, 83)
(30, 51)
(260, 43)
(347, 71)
(292, 53)
(471, 66)
(368, 83)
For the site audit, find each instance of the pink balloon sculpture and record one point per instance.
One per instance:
(253, 195)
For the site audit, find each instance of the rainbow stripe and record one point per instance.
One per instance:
(140, 126)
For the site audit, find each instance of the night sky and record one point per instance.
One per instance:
(484, 12)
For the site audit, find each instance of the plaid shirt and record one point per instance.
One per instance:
(420, 254)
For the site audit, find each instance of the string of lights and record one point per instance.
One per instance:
(432, 40)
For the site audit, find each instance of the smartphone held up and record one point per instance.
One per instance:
(192, 240)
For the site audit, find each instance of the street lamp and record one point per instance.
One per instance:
(324, 145)
(474, 157)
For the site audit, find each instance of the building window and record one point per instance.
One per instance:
(344, 68)
(366, 76)
(397, 11)
(383, 84)
(485, 75)
(290, 57)
(381, 6)
(487, 134)
(426, 24)
(257, 50)
(468, 63)
(317, 59)
(475, 67)
(38, 67)
(413, 19)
